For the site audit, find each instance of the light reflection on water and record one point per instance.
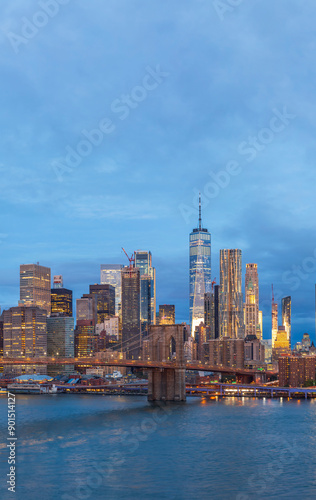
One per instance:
(123, 448)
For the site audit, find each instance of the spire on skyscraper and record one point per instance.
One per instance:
(200, 210)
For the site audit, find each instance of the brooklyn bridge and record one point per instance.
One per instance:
(165, 363)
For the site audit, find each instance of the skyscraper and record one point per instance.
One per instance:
(35, 287)
(252, 275)
(60, 342)
(252, 278)
(143, 260)
(24, 332)
(251, 311)
(275, 324)
(85, 339)
(231, 300)
(211, 313)
(286, 316)
(105, 301)
(131, 331)
(60, 336)
(61, 302)
(111, 275)
(86, 309)
(200, 271)
(145, 303)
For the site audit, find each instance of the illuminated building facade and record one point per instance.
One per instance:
(24, 332)
(105, 301)
(167, 314)
(254, 352)
(296, 371)
(85, 339)
(252, 315)
(35, 286)
(86, 308)
(306, 342)
(131, 329)
(111, 275)
(110, 326)
(267, 350)
(286, 316)
(1, 335)
(211, 313)
(143, 261)
(61, 302)
(60, 336)
(226, 352)
(200, 272)
(231, 300)
(60, 342)
(274, 313)
(281, 344)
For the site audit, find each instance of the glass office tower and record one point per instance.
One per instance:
(200, 272)
(61, 301)
(286, 316)
(143, 260)
(111, 275)
(105, 301)
(131, 327)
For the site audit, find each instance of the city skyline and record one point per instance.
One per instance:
(281, 305)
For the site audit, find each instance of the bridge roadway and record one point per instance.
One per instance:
(139, 363)
(250, 391)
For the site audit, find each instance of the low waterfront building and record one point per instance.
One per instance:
(296, 371)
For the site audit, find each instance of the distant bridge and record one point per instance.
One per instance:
(239, 390)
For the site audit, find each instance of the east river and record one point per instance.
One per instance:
(111, 447)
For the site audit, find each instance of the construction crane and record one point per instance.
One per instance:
(213, 283)
(131, 259)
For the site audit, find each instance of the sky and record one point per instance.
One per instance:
(116, 113)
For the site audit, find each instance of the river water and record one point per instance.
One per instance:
(110, 447)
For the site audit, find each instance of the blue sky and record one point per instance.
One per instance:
(204, 85)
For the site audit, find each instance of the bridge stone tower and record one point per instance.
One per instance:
(166, 344)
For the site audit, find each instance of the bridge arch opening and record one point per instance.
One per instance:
(172, 349)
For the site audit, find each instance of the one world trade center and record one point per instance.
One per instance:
(200, 271)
